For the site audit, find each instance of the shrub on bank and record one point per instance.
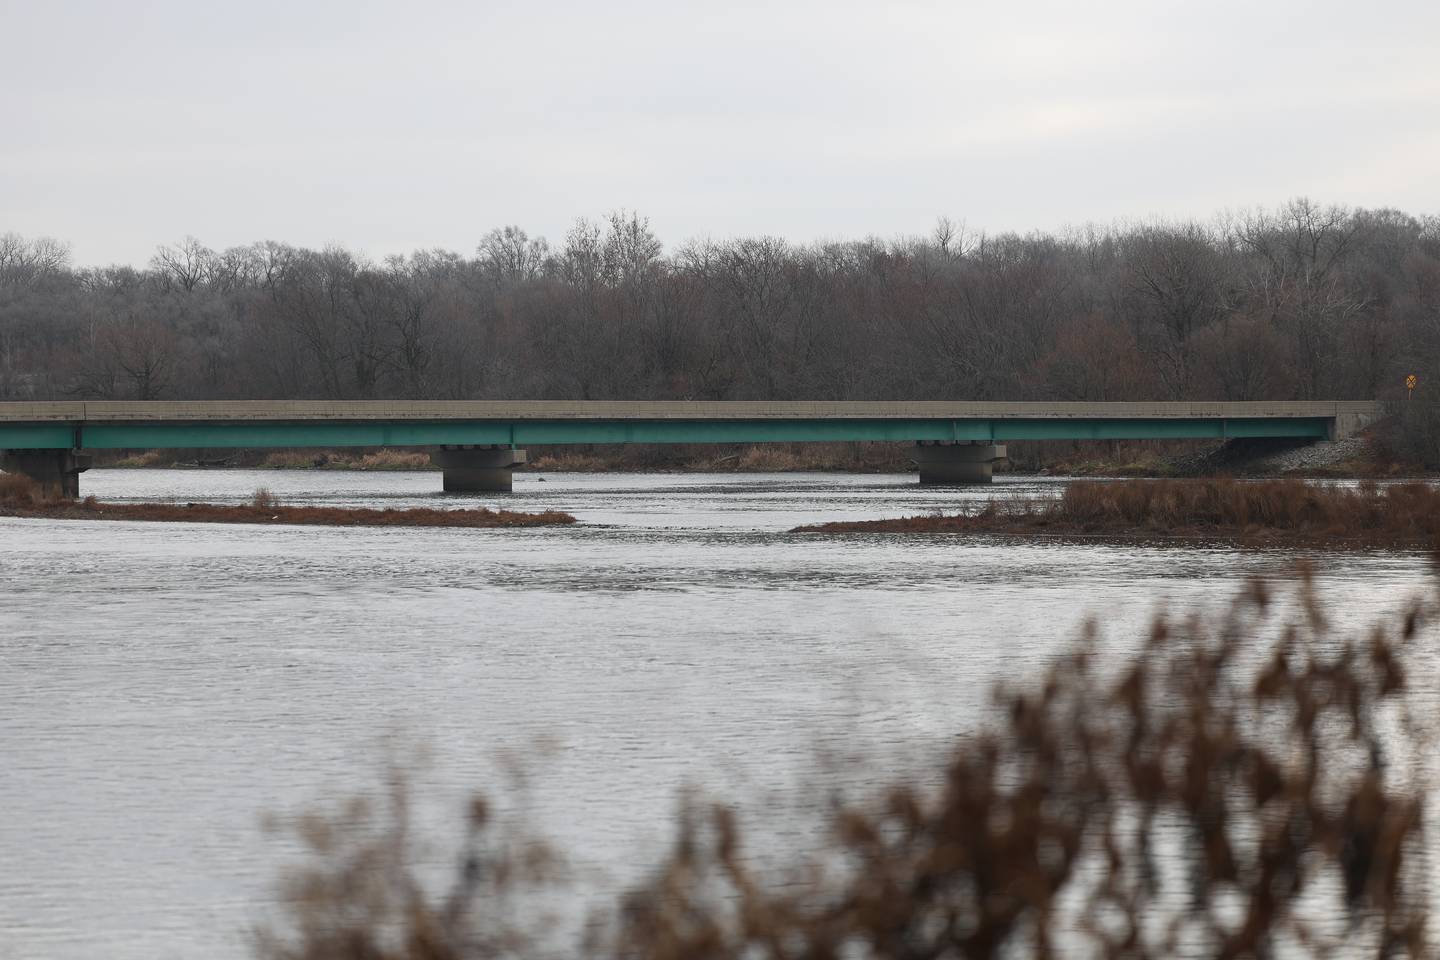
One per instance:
(1286, 509)
(1409, 509)
(1411, 433)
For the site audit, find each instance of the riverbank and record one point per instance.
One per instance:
(625, 458)
(383, 459)
(1286, 512)
(1355, 458)
(20, 498)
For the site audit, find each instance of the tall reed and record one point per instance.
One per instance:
(18, 490)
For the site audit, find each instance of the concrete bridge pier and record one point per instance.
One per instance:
(57, 472)
(477, 469)
(954, 464)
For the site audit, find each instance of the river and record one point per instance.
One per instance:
(164, 685)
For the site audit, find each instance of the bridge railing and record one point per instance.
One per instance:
(79, 411)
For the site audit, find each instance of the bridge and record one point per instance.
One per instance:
(476, 444)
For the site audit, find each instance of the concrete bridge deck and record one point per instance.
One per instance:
(28, 429)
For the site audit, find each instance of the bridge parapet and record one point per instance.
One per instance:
(111, 411)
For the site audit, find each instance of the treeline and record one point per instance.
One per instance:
(1305, 301)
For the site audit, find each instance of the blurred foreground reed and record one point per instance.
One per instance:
(1248, 784)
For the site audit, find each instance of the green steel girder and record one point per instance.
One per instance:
(1317, 428)
(303, 433)
(37, 436)
(403, 433)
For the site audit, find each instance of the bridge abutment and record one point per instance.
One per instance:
(1348, 423)
(57, 472)
(954, 464)
(478, 469)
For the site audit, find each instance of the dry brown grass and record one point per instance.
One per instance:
(773, 458)
(1222, 794)
(708, 458)
(1262, 511)
(265, 509)
(22, 497)
(17, 489)
(292, 460)
(384, 459)
(571, 463)
(149, 458)
(791, 457)
(393, 460)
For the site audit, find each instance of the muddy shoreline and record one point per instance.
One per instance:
(277, 515)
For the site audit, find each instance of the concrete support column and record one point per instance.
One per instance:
(477, 469)
(953, 464)
(57, 472)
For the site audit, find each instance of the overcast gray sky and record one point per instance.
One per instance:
(392, 126)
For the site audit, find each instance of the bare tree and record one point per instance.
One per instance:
(185, 265)
(144, 350)
(27, 262)
(509, 256)
(1176, 288)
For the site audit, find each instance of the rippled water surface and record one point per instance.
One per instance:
(162, 685)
